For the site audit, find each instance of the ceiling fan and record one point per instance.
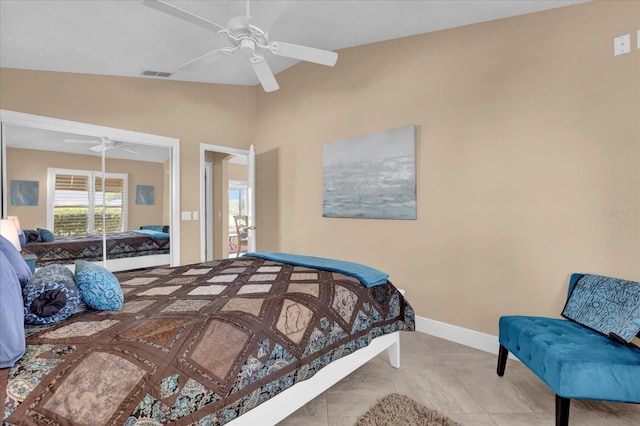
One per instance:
(108, 144)
(245, 37)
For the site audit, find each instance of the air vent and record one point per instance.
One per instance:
(163, 74)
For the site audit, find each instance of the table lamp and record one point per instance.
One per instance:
(21, 236)
(10, 232)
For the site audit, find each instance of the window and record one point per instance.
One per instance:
(77, 199)
(237, 201)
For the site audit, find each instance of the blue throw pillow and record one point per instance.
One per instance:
(12, 340)
(46, 235)
(50, 296)
(99, 288)
(15, 259)
(610, 306)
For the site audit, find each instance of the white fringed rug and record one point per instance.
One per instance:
(396, 410)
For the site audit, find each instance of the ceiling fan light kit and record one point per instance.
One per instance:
(247, 38)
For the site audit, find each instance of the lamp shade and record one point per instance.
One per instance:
(21, 236)
(9, 230)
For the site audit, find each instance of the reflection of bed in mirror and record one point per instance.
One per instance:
(126, 247)
(59, 156)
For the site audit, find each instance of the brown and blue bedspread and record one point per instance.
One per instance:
(198, 344)
(88, 247)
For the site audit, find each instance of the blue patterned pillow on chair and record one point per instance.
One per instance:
(99, 288)
(608, 305)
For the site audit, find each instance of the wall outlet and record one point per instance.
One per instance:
(622, 44)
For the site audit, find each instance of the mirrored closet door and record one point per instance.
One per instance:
(89, 192)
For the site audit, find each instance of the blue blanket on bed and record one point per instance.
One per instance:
(368, 276)
(154, 235)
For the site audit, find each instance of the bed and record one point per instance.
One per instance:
(120, 245)
(236, 341)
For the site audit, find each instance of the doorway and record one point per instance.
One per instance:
(217, 225)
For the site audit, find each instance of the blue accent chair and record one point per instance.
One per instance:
(573, 360)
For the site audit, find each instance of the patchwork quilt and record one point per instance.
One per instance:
(197, 345)
(89, 247)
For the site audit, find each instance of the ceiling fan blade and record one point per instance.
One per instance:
(202, 61)
(130, 150)
(98, 148)
(182, 14)
(81, 141)
(304, 53)
(264, 74)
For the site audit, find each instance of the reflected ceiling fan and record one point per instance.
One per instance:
(108, 144)
(245, 37)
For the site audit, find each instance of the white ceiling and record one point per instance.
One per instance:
(125, 37)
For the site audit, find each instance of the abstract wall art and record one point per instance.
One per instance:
(24, 193)
(371, 176)
(145, 194)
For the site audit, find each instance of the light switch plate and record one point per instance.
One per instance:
(622, 44)
(186, 215)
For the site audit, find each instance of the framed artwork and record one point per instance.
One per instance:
(371, 176)
(145, 194)
(24, 193)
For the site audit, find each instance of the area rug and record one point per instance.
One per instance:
(396, 410)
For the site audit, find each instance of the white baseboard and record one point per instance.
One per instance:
(453, 333)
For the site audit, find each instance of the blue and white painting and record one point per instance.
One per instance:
(145, 194)
(371, 176)
(24, 193)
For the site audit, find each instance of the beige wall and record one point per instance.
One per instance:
(30, 164)
(528, 136)
(194, 113)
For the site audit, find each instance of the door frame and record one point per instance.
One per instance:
(250, 154)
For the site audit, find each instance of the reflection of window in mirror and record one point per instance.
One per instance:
(76, 200)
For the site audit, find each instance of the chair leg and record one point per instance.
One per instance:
(503, 354)
(562, 411)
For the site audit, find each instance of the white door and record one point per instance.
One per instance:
(251, 205)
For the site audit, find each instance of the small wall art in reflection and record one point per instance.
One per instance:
(24, 193)
(371, 176)
(145, 194)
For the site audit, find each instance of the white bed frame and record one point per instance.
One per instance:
(287, 402)
(128, 263)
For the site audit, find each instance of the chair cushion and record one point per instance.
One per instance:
(574, 361)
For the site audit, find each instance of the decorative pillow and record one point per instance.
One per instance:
(50, 296)
(610, 306)
(32, 235)
(14, 258)
(99, 288)
(12, 341)
(46, 235)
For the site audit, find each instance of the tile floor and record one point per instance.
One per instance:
(457, 381)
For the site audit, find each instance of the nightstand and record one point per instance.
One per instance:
(31, 261)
